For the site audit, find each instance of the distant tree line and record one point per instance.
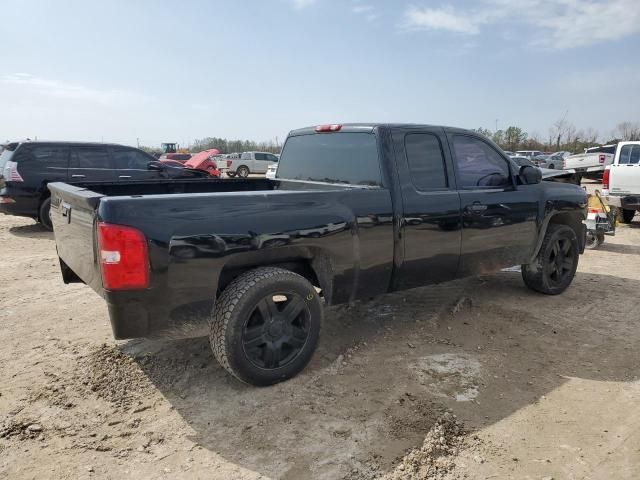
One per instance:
(234, 146)
(563, 135)
(224, 146)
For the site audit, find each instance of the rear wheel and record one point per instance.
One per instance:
(243, 172)
(266, 325)
(627, 215)
(231, 174)
(594, 240)
(555, 266)
(44, 215)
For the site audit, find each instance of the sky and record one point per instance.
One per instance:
(156, 71)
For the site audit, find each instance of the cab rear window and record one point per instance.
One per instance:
(345, 158)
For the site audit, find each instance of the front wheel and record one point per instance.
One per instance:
(266, 325)
(555, 266)
(627, 215)
(44, 214)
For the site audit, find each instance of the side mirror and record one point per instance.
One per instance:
(158, 166)
(530, 175)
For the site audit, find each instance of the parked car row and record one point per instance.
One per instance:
(27, 167)
(590, 164)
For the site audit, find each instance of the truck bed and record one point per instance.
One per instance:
(196, 229)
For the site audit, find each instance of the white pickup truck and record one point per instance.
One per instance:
(621, 180)
(591, 163)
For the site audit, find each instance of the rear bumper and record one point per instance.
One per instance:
(628, 202)
(136, 314)
(18, 209)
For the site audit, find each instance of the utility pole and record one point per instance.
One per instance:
(138, 141)
(496, 124)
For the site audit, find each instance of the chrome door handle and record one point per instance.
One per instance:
(124, 176)
(78, 176)
(477, 207)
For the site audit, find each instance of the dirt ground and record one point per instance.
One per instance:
(480, 378)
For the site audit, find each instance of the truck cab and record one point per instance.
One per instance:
(621, 181)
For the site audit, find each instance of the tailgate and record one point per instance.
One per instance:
(625, 179)
(73, 214)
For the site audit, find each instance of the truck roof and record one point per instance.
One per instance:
(369, 127)
(65, 142)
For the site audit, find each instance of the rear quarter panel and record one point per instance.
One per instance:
(345, 233)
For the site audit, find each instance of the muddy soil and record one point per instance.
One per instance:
(479, 378)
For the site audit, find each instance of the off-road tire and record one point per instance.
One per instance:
(44, 215)
(627, 215)
(232, 313)
(536, 275)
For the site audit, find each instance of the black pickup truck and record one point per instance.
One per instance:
(355, 211)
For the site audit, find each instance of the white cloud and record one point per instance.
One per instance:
(559, 24)
(54, 88)
(446, 18)
(300, 4)
(365, 10)
(362, 8)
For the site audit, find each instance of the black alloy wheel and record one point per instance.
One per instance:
(555, 265)
(277, 330)
(265, 325)
(560, 262)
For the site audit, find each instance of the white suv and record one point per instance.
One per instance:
(250, 162)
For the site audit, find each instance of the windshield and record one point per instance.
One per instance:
(349, 158)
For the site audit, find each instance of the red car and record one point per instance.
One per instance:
(203, 161)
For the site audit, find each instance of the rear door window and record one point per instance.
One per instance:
(345, 157)
(426, 161)
(90, 158)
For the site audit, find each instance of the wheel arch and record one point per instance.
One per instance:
(571, 219)
(314, 265)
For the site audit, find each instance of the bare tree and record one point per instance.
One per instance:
(628, 131)
(559, 130)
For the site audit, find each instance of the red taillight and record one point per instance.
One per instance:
(123, 257)
(605, 179)
(229, 163)
(601, 158)
(328, 128)
(11, 173)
